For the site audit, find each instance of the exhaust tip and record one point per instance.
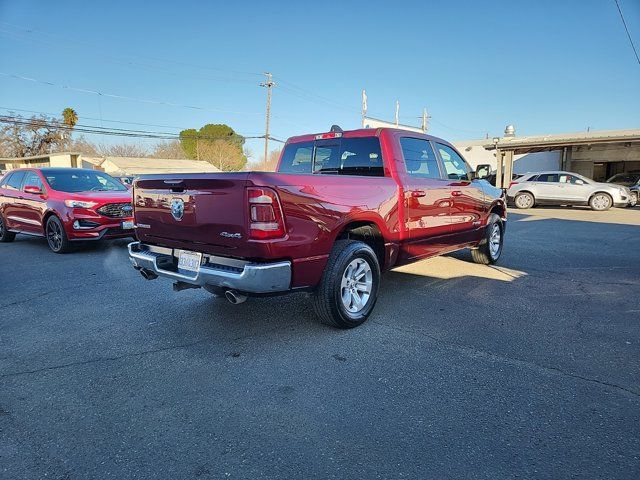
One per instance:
(235, 298)
(147, 274)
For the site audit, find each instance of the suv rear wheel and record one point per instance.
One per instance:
(5, 235)
(524, 200)
(349, 287)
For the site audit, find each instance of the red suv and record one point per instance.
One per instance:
(65, 205)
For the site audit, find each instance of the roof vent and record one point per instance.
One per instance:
(336, 129)
(510, 131)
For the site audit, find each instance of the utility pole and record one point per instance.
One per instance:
(425, 120)
(268, 84)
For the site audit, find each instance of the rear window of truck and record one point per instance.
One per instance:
(337, 156)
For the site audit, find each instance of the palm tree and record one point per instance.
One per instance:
(69, 117)
(69, 120)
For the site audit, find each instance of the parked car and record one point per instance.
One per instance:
(491, 178)
(631, 180)
(565, 188)
(341, 207)
(64, 205)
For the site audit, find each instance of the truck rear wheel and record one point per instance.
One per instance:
(348, 290)
(490, 248)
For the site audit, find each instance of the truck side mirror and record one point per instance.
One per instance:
(482, 171)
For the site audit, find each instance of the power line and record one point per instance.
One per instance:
(119, 132)
(627, 30)
(123, 97)
(68, 41)
(93, 118)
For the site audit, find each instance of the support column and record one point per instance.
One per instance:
(498, 168)
(508, 168)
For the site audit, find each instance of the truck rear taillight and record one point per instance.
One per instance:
(265, 214)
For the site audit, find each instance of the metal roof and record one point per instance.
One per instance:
(540, 143)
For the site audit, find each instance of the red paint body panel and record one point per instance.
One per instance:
(26, 213)
(316, 210)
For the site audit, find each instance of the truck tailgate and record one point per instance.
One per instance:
(205, 211)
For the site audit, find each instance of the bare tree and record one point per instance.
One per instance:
(122, 150)
(272, 161)
(225, 155)
(84, 146)
(23, 137)
(171, 149)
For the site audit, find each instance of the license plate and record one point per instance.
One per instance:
(189, 261)
(128, 225)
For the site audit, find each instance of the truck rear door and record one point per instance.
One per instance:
(202, 212)
(427, 199)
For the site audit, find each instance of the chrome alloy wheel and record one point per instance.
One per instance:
(601, 202)
(356, 285)
(524, 201)
(495, 241)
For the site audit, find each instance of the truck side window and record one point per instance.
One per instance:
(297, 158)
(361, 156)
(454, 166)
(419, 158)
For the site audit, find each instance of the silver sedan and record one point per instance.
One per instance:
(565, 188)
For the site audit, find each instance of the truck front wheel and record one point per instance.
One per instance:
(490, 247)
(348, 290)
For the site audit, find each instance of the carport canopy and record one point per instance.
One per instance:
(508, 146)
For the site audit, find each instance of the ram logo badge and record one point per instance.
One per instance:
(177, 208)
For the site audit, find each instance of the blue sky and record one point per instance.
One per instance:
(545, 66)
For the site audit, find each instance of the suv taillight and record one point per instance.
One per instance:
(512, 184)
(265, 214)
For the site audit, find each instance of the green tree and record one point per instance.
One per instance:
(212, 142)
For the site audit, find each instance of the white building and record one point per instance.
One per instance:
(117, 166)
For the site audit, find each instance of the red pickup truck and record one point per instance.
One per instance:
(342, 207)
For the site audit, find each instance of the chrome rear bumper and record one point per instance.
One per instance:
(221, 272)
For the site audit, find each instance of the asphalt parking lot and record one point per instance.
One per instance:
(530, 369)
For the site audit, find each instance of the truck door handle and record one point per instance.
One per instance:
(418, 193)
(456, 193)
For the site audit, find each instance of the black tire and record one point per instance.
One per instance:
(5, 235)
(486, 253)
(524, 200)
(56, 236)
(328, 298)
(601, 202)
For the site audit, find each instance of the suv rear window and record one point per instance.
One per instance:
(339, 156)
